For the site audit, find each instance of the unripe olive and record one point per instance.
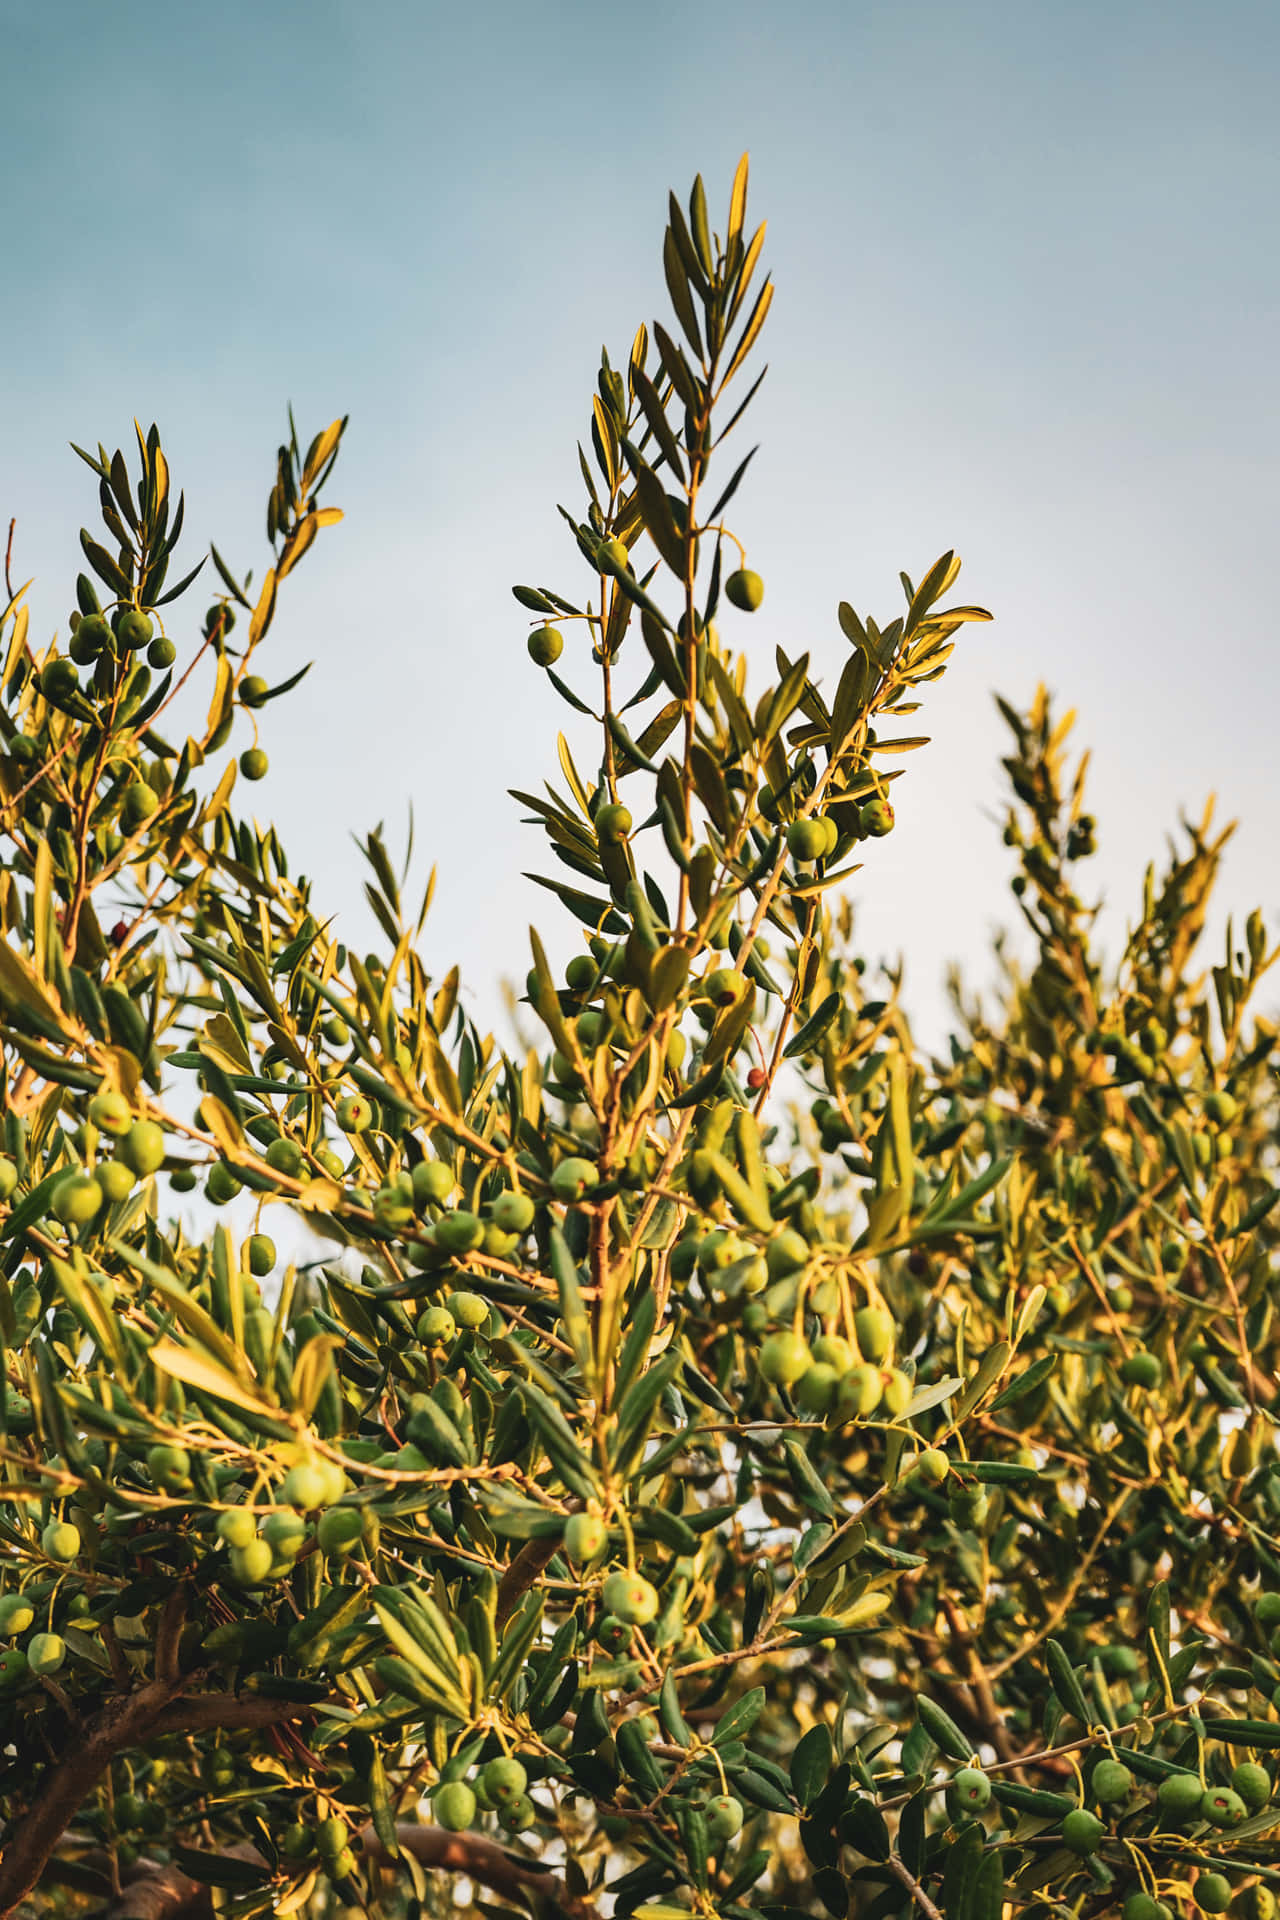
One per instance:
(585, 1535)
(504, 1781)
(1112, 1781)
(339, 1530)
(284, 1156)
(304, 1487)
(133, 630)
(110, 1113)
(971, 1789)
(46, 1652)
(354, 1113)
(1144, 1906)
(61, 1540)
(8, 1179)
(238, 1527)
(138, 802)
(612, 556)
(613, 822)
(1221, 1108)
(723, 987)
(631, 1598)
(1253, 1784)
(459, 1232)
(169, 1467)
(13, 1669)
(77, 1200)
(717, 1250)
(784, 1357)
(432, 1183)
(1179, 1795)
(284, 1533)
(89, 638)
(436, 1326)
(1141, 1370)
(816, 1388)
(1212, 1892)
(454, 1806)
(744, 590)
(59, 680)
(516, 1816)
(933, 1466)
(807, 839)
(1223, 1807)
(833, 1350)
(545, 644)
(969, 1507)
(873, 1328)
(786, 1253)
(875, 817)
(394, 1202)
(16, 1614)
(468, 1309)
(250, 1565)
(614, 1635)
(254, 763)
(513, 1212)
(1081, 1831)
(261, 1252)
(254, 690)
(858, 1393)
(142, 1147)
(221, 1184)
(724, 1817)
(116, 1180)
(331, 1838)
(896, 1391)
(573, 1178)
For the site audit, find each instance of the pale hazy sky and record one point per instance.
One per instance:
(1027, 297)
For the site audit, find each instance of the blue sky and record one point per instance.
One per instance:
(1026, 308)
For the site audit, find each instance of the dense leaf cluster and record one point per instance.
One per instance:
(718, 1457)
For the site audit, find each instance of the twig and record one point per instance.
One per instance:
(532, 1559)
(900, 1871)
(167, 1894)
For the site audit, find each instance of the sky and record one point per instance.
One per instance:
(1026, 306)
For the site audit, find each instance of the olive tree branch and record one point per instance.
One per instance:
(901, 1872)
(168, 1894)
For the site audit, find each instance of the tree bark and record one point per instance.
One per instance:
(122, 1723)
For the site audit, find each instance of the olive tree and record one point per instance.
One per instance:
(714, 1457)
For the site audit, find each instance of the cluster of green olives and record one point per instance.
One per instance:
(44, 1652)
(96, 1180)
(495, 1231)
(263, 1545)
(329, 1840)
(500, 1787)
(1181, 1799)
(627, 1599)
(96, 635)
